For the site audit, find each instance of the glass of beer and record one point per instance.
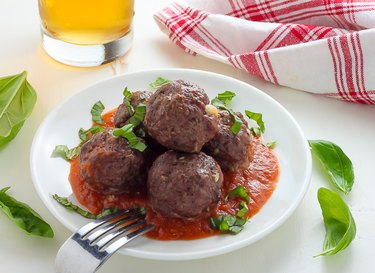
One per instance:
(86, 32)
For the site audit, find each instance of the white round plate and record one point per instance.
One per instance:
(50, 175)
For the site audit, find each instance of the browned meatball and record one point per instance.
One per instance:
(184, 185)
(108, 165)
(231, 151)
(176, 117)
(123, 114)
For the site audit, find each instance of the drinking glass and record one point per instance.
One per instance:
(86, 32)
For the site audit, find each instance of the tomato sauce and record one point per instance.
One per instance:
(260, 180)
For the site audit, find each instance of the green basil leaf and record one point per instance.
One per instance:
(160, 81)
(270, 144)
(238, 191)
(17, 100)
(96, 112)
(127, 132)
(64, 152)
(83, 134)
(127, 97)
(338, 221)
(243, 210)
(221, 101)
(337, 165)
(138, 116)
(24, 216)
(228, 223)
(258, 118)
(70, 206)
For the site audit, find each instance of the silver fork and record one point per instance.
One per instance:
(87, 249)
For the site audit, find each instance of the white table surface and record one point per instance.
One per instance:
(288, 249)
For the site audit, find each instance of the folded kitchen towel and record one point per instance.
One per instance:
(323, 47)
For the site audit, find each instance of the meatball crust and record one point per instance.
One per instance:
(176, 117)
(122, 114)
(108, 165)
(184, 185)
(231, 151)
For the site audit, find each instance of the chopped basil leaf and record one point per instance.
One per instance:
(24, 216)
(335, 162)
(159, 82)
(221, 101)
(243, 209)
(66, 153)
(223, 98)
(238, 191)
(228, 223)
(127, 98)
(70, 206)
(139, 115)
(83, 134)
(338, 221)
(127, 132)
(96, 112)
(270, 144)
(257, 117)
(256, 131)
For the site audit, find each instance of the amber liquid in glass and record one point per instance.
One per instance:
(86, 22)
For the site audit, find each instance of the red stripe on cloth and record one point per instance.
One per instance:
(274, 79)
(361, 69)
(335, 67)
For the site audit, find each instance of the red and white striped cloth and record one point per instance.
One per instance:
(323, 47)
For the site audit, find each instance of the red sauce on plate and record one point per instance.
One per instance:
(260, 179)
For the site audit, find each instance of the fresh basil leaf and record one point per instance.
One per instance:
(64, 152)
(160, 81)
(221, 101)
(338, 221)
(17, 100)
(96, 112)
(70, 206)
(258, 118)
(138, 116)
(84, 134)
(127, 132)
(127, 97)
(243, 209)
(238, 191)
(335, 162)
(228, 223)
(270, 144)
(24, 216)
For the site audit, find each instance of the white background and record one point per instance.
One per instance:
(288, 249)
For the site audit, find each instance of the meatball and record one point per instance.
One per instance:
(123, 114)
(176, 117)
(184, 185)
(108, 165)
(231, 151)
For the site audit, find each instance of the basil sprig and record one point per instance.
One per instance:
(222, 101)
(335, 162)
(17, 100)
(96, 112)
(127, 132)
(84, 135)
(24, 216)
(70, 206)
(160, 81)
(338, 221)
(64, 152)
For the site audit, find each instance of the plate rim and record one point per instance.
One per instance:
(177, 256)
